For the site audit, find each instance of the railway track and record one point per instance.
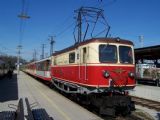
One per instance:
(146, 103)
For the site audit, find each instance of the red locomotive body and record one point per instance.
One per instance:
(95, 65)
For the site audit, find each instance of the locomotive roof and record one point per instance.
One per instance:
(98, 40)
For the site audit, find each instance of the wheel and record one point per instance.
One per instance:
(126, 111)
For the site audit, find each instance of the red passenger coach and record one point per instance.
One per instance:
(40, 69)
(31, 68)
(95, 66)
(43, 69)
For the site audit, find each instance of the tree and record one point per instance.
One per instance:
(11, 60)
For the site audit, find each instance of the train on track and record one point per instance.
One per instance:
(98, 71)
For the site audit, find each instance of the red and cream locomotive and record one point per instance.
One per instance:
(94, 66)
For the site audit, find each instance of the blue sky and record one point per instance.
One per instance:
(128, 19)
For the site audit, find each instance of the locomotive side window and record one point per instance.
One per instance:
(107, 53)
(55, 60)
(84, 55)
(72, 57)
(125, 54)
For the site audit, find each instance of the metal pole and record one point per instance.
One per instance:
(52, 41)
(35, 54)
(22, 16)
(19, 47)
(141, 39)
(43, 45)
(79, 26)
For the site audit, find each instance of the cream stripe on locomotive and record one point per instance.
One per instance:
(86, 54)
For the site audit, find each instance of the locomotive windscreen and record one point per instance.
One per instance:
(125, 54)
(108, 53)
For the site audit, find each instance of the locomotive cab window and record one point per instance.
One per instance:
(107, 53)
(72, 57)
(125, 54)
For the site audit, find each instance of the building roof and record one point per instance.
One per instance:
(149, 53)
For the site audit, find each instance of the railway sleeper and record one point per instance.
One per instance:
(114, 105)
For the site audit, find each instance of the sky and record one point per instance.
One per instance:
(128, 20)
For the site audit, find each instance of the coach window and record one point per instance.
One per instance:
(37, 66)
(72, 57)
(46, 65)
(41, 66)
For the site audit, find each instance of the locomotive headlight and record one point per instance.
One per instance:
(131, 74)
(106, 74)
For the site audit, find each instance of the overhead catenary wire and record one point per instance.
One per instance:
(96, 3)
(70, 26)
(65, 29)
(6, 49)
(102, 4)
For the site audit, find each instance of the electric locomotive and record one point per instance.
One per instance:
(99, 70)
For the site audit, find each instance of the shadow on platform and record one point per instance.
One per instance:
(9, 89)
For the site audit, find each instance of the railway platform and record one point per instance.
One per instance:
(147, 92)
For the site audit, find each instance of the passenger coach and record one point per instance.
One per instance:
(40, 69)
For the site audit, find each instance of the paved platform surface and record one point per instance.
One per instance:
(57, 106)
(146, 91)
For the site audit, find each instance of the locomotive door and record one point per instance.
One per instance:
(82, 69)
